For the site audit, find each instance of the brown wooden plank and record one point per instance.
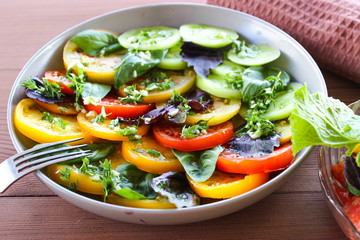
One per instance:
(53, 218)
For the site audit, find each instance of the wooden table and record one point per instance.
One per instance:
(28, 210)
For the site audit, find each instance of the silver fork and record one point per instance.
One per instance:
(22, 163)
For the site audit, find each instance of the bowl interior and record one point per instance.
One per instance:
(294, 59)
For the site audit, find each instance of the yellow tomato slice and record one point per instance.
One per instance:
(183, 81)
(148, 162)
(102, 130)
(283, 127)
(221, 111)
(85, 183)
(27, 119)
(226, 185)
(116, 158)
(63, 108)
(98, 69)
(140, 203)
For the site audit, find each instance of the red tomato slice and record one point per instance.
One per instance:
(337, 172)
(230, 161)
(342, 193)
(119, 109)
(352, 209)
(59, 76)
(169, 135)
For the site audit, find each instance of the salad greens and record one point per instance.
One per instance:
(199, 165)
(320, 120)
(136, 63)
(97, 43)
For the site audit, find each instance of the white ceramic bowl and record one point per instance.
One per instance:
(294, 59)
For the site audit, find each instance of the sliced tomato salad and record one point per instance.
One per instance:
(115, 108)
(153, 67)
(169, 135)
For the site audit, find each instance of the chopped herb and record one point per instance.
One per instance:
(256, 125)
(49, 89)
(107, 178)
(65, 176)
(78, 83)
(197, 129)
(243, 50)
(180, 101)
(54, 120)
(152, 152)
(100, 117)
(133, 95)
(234, 81)
(158, 81)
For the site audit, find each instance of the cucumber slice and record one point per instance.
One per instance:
(173, 59)
(228, 68)
(150, 38)
(260, 54)
(217, 86)
(282, 106)
(207, 36)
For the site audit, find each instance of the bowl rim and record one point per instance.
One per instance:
(297, 160)
(328, 190)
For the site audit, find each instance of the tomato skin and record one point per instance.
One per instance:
(226, 185)
(27, 119)
(352, 209)
(116, 108)
(85, 183)
(230, 161)
(59, 76)
(169, 135)
(337, 172)
(148, 162)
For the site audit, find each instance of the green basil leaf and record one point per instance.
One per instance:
(129, 194)
(96, 42)
(199, 165)
(321, 120)
(255, 80)
(95, 90)
(175, 187)
(99, 151)
(135, 64)
(134, 179)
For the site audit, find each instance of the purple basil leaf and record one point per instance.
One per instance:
(199, 100)
(175, 114)
(249, 147)
(201, 58)
(175, 187)
(154, 115)
(352, 175)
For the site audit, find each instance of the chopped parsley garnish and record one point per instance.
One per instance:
(133, 95)
(195, 130)
(100, 117)
(65, 176)
(152, 152)
(54, 121)
(243, 50)
(78, 83)
(129, 131)
(180, 101)
(50, 89)
(158, 81)
(256, 125)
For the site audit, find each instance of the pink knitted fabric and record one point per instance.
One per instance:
(328, 29)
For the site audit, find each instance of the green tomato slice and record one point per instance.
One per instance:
(150, 38)
(207, 36)
(281, 108)
(173, 59)
(257, 55)
(217, 86)
(228, 68)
